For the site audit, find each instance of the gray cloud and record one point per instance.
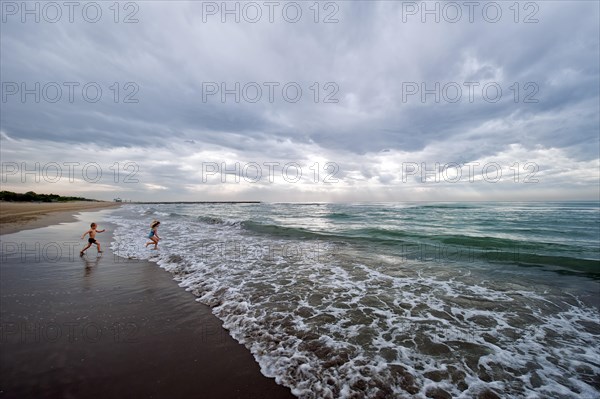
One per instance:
(370, 54)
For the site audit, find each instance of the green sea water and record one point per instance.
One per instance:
(395, 299)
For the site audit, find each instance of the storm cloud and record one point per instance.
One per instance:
(288, 101)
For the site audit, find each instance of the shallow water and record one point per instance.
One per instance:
(394, 300)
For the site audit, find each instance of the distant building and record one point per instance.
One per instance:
(118, 200)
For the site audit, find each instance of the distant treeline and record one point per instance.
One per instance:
(30, 196)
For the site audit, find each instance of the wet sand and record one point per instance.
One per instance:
(17, 216)
(107, 327)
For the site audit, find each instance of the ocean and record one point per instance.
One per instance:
(393, 300)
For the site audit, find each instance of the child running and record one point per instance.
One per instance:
(92, 240)
(153, 236)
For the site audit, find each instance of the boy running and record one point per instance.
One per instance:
(92, 240)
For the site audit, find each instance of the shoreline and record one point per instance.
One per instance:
(101, 326)
(19, 216)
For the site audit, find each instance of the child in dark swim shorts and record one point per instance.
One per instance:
(92, 240)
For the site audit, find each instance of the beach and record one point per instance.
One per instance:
(261, 300)
(393, 300)
(105, 326)
(17, 216)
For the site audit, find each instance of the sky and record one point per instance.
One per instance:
(330, 101)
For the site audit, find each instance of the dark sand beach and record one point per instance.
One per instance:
(17, 216)
(107, 327)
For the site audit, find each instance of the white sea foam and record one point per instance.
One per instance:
(328, 326)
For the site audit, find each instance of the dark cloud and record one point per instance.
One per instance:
(370, 55)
